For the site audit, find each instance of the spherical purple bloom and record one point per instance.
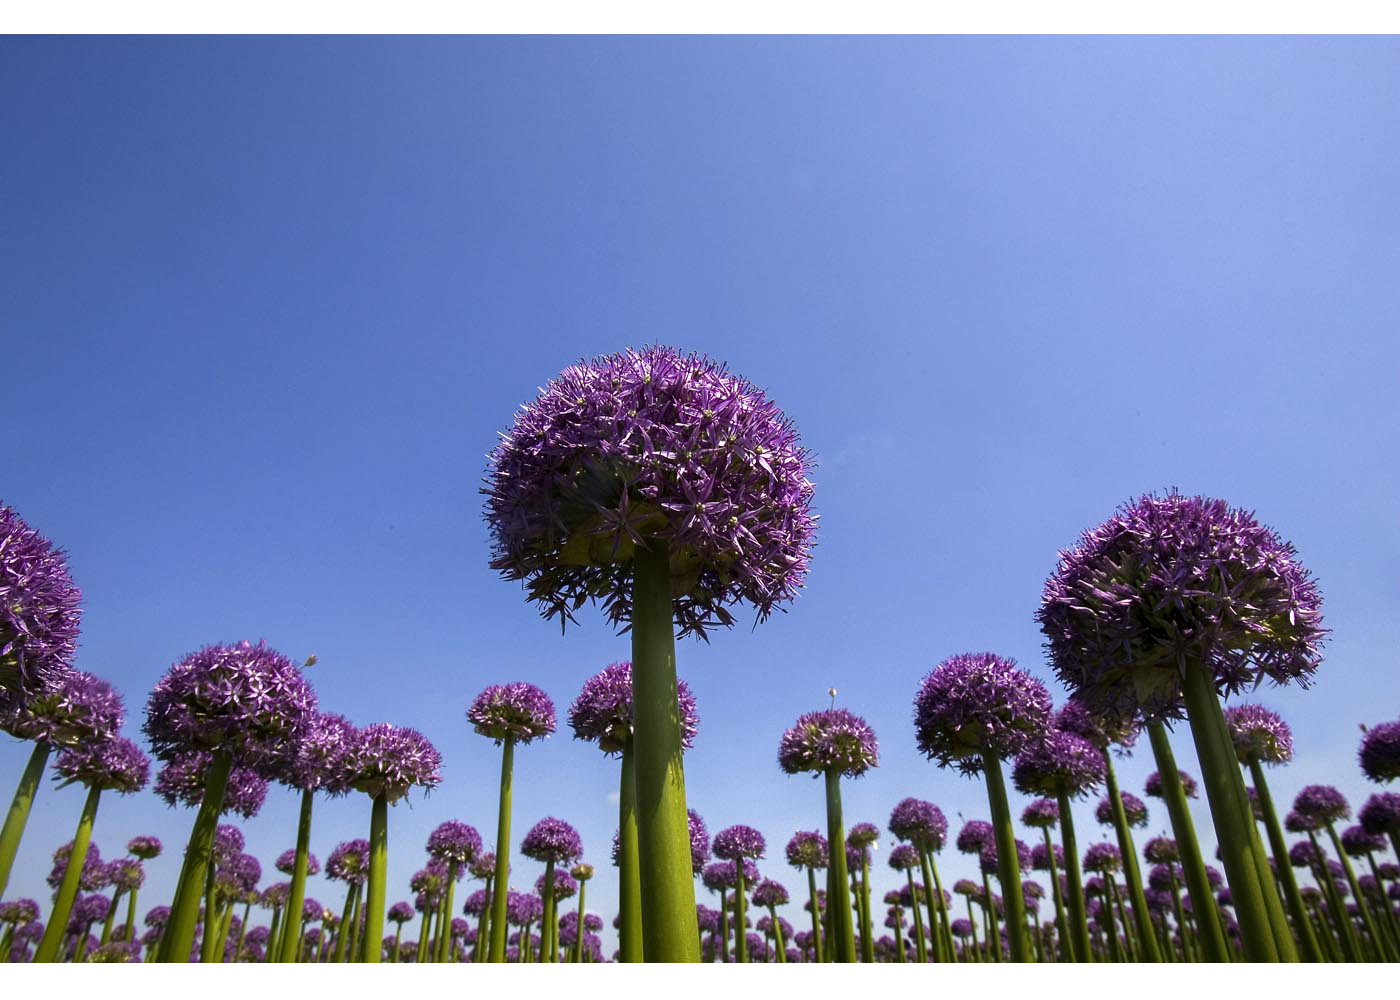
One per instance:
(987, 857)
(831, 740)
(1358, 843)
(389, 760)
(1102, 857)
(1134, 810)
(1296, 822)
(519, 711)
(1321, 803)
(975, 835)
(1093, 724)
(564, 884)
(19, 911)
(181, 782)
(312, 910)
(144, 847)
(652, 445)
(1164, 876)
(115, 765)
(904, 857)
(126, 874)
(1161, 850)
(115, 951)
(483, 866)
(921, 823)
(862, 835)
(75, 709)
(1304, 855)
(349, 862)
(1380, 752)
(287, 861)
(552, 840)
(1153, 785)
(1381, 814)
(1040, 860)
(1041, 814)
(976, 703)
(156, 917)
(724, 875)
(94, 875)
(1058, 763)
(1259, 735)
(807, 849)
(961, 927)
(735, 842)
(454, 843)
(39, 610)
(602, 713)
(699, 842)
(477, 903)
(1172, 580)
(318, 761)
(248, 700)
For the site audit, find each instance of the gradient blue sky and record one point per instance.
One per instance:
(267, 302)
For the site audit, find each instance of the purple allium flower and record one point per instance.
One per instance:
(1296, 822)
(39, 610)
(652, 444)
(967, 887)
(90, 909)
(1153, 785)
(1103, 857)
(1380, 752)
(1214, 877)
(126, 874)
(862, 835)
(602, 713)
(94, 874)
(987, 857)
(961, 927)
(19, 911)
(156, 917)
(477, 903)
(519, 711)
(722, 875)
(1163, 876)
(249, 700)
(974, 703)
(831, 740)
(1161, 850)
(707, 919)
(1134, 810)
(1304, 855)
(807, 849)
(115, 765)
(454, 843)
(523, 908)
(975, 835)
(75, 709)
(1100, 729)
(1259, 735)
(286, 863)
(564, 885)
(699, 842)
(904, 857)
(919, 822)
(228, 841)
(1041, 814)
(855, 858)
(349, 862)
(552, 840)
(735, 842)
(144, 847)
(318, 761)
(115, 951)
(1321, 803)
(181, 782)
(1040, 860)
(1171, 580)
(1358, 843)
(1059, 762)
(389, 760)
(1381, 814)
(312, 910)
(240, 874)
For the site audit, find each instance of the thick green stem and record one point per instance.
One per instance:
(296, 894)
(424, 947)
(547, 920)
(18, 815)
(723, 926)
(131, 916)
(68, 889)
(111, 918)
(499, 927)
(578, 937)
(669, 929)
(1309, 949)
(741, 942)
(342, 936)
(867, 940)
(374, 893)
(1132, 875)
(817, 949)
(1079, 923)
(1008, 867)
(629, 873)
(842, 946)
(780, 944)
(941, 930)
(483, 940)
(178, 937)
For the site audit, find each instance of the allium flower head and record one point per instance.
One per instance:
(1304, 855)
(862, 835)
(1381, 814)
(454, 843)
(1041, 814)
(1259, 735)
(400, 913)
(94, 875)
(831, 740)
(581, 872)
(975, 835)
(116, 765)
(807, 849)
(1153, 785)
(1058, 762)
(602, 713)
(349, 862)
(181, 782)
(919, 822)
(1040, 860)
(564, 884)
(19, 911)
(1321, 803)
(318, 763)
(39, 610)
(1164, 876)
(390, 760)
(904, 857)
(1101, 729)
(552, 840)
(1134, 810)
(287, 861)
(652, 444)
(1358, 843)
(477, 903)
(249, 700)
(519, 711)
(1296, 822)
(144, 847)
(699, 841)
(974, 703)
(735, 842)
(1102, 857)
(74, 709)
(723, 875)
(483, 866)
(1380, 752)
(1172, 580)
(1161, 850)
(987, 857)
(156, 916)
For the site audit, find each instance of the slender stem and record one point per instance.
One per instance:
(1336, 906)
(499, 928)
(989, 921)
(18, 815)
(669, 929)
(346, 920)
(1079, 923)
(374, 893)
(68, 888)
(111, 918)
(899, 932)
(482, 940)
(131, 916)
(1132, 876)
(1008, 866)
(1061, 925)
(780, 946)
(817, 950)
(741, 938)
(398, 937)
(1363, 905)
(941, 929)
(578, 938)
(1308, 947)
(273, 937)
(209, 942)
(838, 900)
(547, 919)
(629, 873)
(423, 945)
(178, 937)
(242, 931)
(867, 939)
(723, 926)
(296, 894)
(352, 939)
(920, 949)
(445, 931)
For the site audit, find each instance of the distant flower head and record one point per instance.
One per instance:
(921, 823)
(1041, 814)
(1161, 850)
(724, 875)
(1296, 822)
(552, 840)
(564, 885)
(287, 861)
(1259, 735)
(904, 857)
(1381, 814)
(483, 866)
(735, 842)
(116, 765)
(1380, 752)
(126, 874)
(862, 835)
(312, 910)
(19, 911)
(807, 849)
(349, 862)
(987, 857)
(699, 842)
(182, 781)
(975, 835)
(228, 841)
(477, 903)
(144, 847)
(581, 872)
(1134, 810)
(74, 709)
(1358, 843)
(1321, 803)
(602, 713)
(1059, 762)
(769, 893)
(1040, 860)
(1164, 876)
(636, 446)
(523, 908)
(976, 703)
(1101, 729)
(519, 711)
(318, 762)
(455, 843)
(400, 913)
(832, 740)
(274, 897)
(390, 760)
(1304, 855)
(39, 610)
(156, 916)
(1153, 785)
(1103, 857)
(961, 928)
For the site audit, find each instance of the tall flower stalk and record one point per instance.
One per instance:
(807, 851)
(740, 845)
(553, 842)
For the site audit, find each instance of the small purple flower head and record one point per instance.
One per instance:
(1381, 814)
(39, 610)
(519, 712)
(769, 893)
(1358, 843)
(349, 862)
(312, 910)
(833, 740)
(1322, 804)
(483, 866)
(602, 713)
(1102, 858)
(564, 885)
(390, 760)
(975, 835)
(1380, 752)
(228, 841)
(156, 916)
(987, 857)
(116, 765)
(19, 911)
(1092, 724)
(725, 875)
(1134, 810)
(144, 847)
(1041, 814)
(248, 700)
(921, 823)
(904, 857)
(1164, 876)
(1040, 860)
(862, 835)
(182, 780)
(477, 903)
(318, 763)
(126, 874)
(961, 928)
(1296, 822)
(807, 849)
(552, 840)
(735, 842)
(454, 843)
(1153, 786)
(976, 703)
(1259, 735)
(286, 863)
(75, 709)
(699, 842)
(1059, 762)
(1172, 580)
(624, 449)
(1304, 855)
(1161, 850)
(400, 912)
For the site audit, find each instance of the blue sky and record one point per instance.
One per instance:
(267, 303)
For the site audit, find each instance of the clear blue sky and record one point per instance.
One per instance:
(267, 303)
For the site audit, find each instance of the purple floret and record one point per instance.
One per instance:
(518, 711)
(39, 611)
(454, 843)
(1380, 752)
(19, 911)
(318, 762)
(807, 849)
(1161, 850)
(976, 703)
(182, 780)
(287, 861)
(636, 446)
(1092, 724)
(1322, 804)
(75, 709)
(1102, 857)
(389, 760)
(830, 740)
(602, 713)
(919, 822)
(564, 884)
(1040, 859)
(1058, 763)
(349, 862)
(1381, 814)
(1259, 735)
(126, 874)
(115, 765)
(144, 847)
(904, 857)
(735, 842)
(552, 840)
(975, 835)
(1358, 843)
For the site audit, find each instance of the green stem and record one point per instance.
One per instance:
(131, 916)
(941, 930)
(1008, 867)
(1132, 876)
(867, 940)
(242, 931)
(398, 937)
(273, 936)
(723, 926)
(111, 918)
(209, 941)
(1336, 906)
(920, 949)
(483, 940)
(18, 815)
(178, 937)
(989, 921)
(578, 938)
(499, 928)
(296, 894)
(423, 946)
(548, 915)
(1061, 925)
(374, 894)
(741, 938)
(1079, 923)
(68, 888)
(1363, 905)
(816, 915)
(629, 873)
(1309, 949)
(780, 946)
(842, 946)
(669, 929)
(445, 931)
(342, 933)
(899, 933)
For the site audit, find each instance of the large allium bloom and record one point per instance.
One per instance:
(1358, 842)
(144, 847)
(919, 822)
(287, 861)
(519, 711)
(400, 912)
(455, 843)
(1321, 803)
(904, 857)
(1171, 580)
(477, 903)
(39, 612)
(1101, 729)
(722, 875)
(1153, 785)
(739, 841)
(699, 841)
(1041, 814)
(1102, 857)
(974, 703)
(94, 874)
(19, 911)
(862, 835)
(564, 885)
(1040, 859)
(116, 765)
(248, 700)
(770, 893)
(317, 764)
(349, 862)
(1380, 752)
(975, 835)
(1059, 762)
(74, 709)
(552, 840)
(1259, 735)
(602, 713)
(831, 740)
(483, 866)
(1381, 814)
(389, 760)
(1134, 810)
(181, 782)
(807, 849)
(652, 444)
(1296, 822)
